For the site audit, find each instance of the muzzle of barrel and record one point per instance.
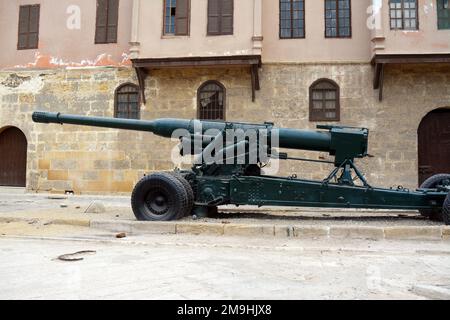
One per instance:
(45, 117)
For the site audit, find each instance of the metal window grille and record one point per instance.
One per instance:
(211, 101)
(127, 102)
(324, 101)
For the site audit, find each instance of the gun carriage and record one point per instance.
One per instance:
(214, 180)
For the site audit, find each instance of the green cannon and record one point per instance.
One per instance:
(228, 162)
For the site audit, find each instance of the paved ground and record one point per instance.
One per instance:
(189, 267)
(207, 267)
(118, 207)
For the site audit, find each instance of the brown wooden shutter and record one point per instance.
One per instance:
(33, 36)
(107, 21)
(113, 19)
(213, 17)
(24, 18)
(226, 17)
(102, 20)
(28, 27)
(182, 18)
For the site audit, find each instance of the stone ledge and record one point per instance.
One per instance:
(413, 233)
(360, 232)
(434, 233)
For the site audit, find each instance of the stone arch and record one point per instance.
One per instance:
(13, 160)
(433, 136)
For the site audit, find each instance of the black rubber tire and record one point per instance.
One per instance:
(446, 210)
(187, 186)
(430, 183)
(161, 187)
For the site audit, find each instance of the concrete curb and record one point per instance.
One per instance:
(432, 292)
(433, 233)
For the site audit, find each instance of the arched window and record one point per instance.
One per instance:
(211, 101)
(127, 101)
(324, 104)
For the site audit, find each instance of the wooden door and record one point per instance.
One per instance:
(434, 144)
(13, 158)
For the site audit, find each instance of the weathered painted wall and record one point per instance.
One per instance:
(315, 47)
(428, 39)
(89, 160)
(59, 45)
(153, 44)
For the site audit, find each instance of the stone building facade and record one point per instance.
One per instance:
(92, 160)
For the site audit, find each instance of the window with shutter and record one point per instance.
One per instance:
(127, 102)
(28, 27)
(324, 101)
(220, 17)
(176, 17)
(107, 21)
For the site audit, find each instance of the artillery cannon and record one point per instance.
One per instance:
(229, 157)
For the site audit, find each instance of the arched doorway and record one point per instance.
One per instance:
(434, 144)
(13, 157)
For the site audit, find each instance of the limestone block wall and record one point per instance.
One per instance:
(92, 160)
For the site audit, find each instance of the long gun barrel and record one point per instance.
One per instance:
(342, 142)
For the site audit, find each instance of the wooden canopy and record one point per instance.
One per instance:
(380, 60)
(143, 67)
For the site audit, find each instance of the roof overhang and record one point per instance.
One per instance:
(144, 66)
(379, 61)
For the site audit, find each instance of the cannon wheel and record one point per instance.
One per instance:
(430, 183)
(159, 197)
(187, 187)
(446, 210)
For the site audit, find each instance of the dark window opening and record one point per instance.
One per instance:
(338, 19)
(211, 101)
(443, 12)
(324, 101)
(292, 19)
(107, 21)
(28, 27)
(127, 102)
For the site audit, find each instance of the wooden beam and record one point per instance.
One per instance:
(257, 84)
(381, 83)
(253, 78)
(142, 75)
(376, 78)
(411, 58)
(197, 61)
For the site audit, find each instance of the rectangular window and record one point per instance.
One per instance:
(292, 19)
(443, 12)
(28, 27)
(107, 21)
(338, 19)
(176, 17)
(220, 17)
(404, 14)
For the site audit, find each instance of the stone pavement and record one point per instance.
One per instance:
(115, 215)
(200, 267)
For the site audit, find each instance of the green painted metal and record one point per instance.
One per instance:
(243, 184)
(341, 142)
